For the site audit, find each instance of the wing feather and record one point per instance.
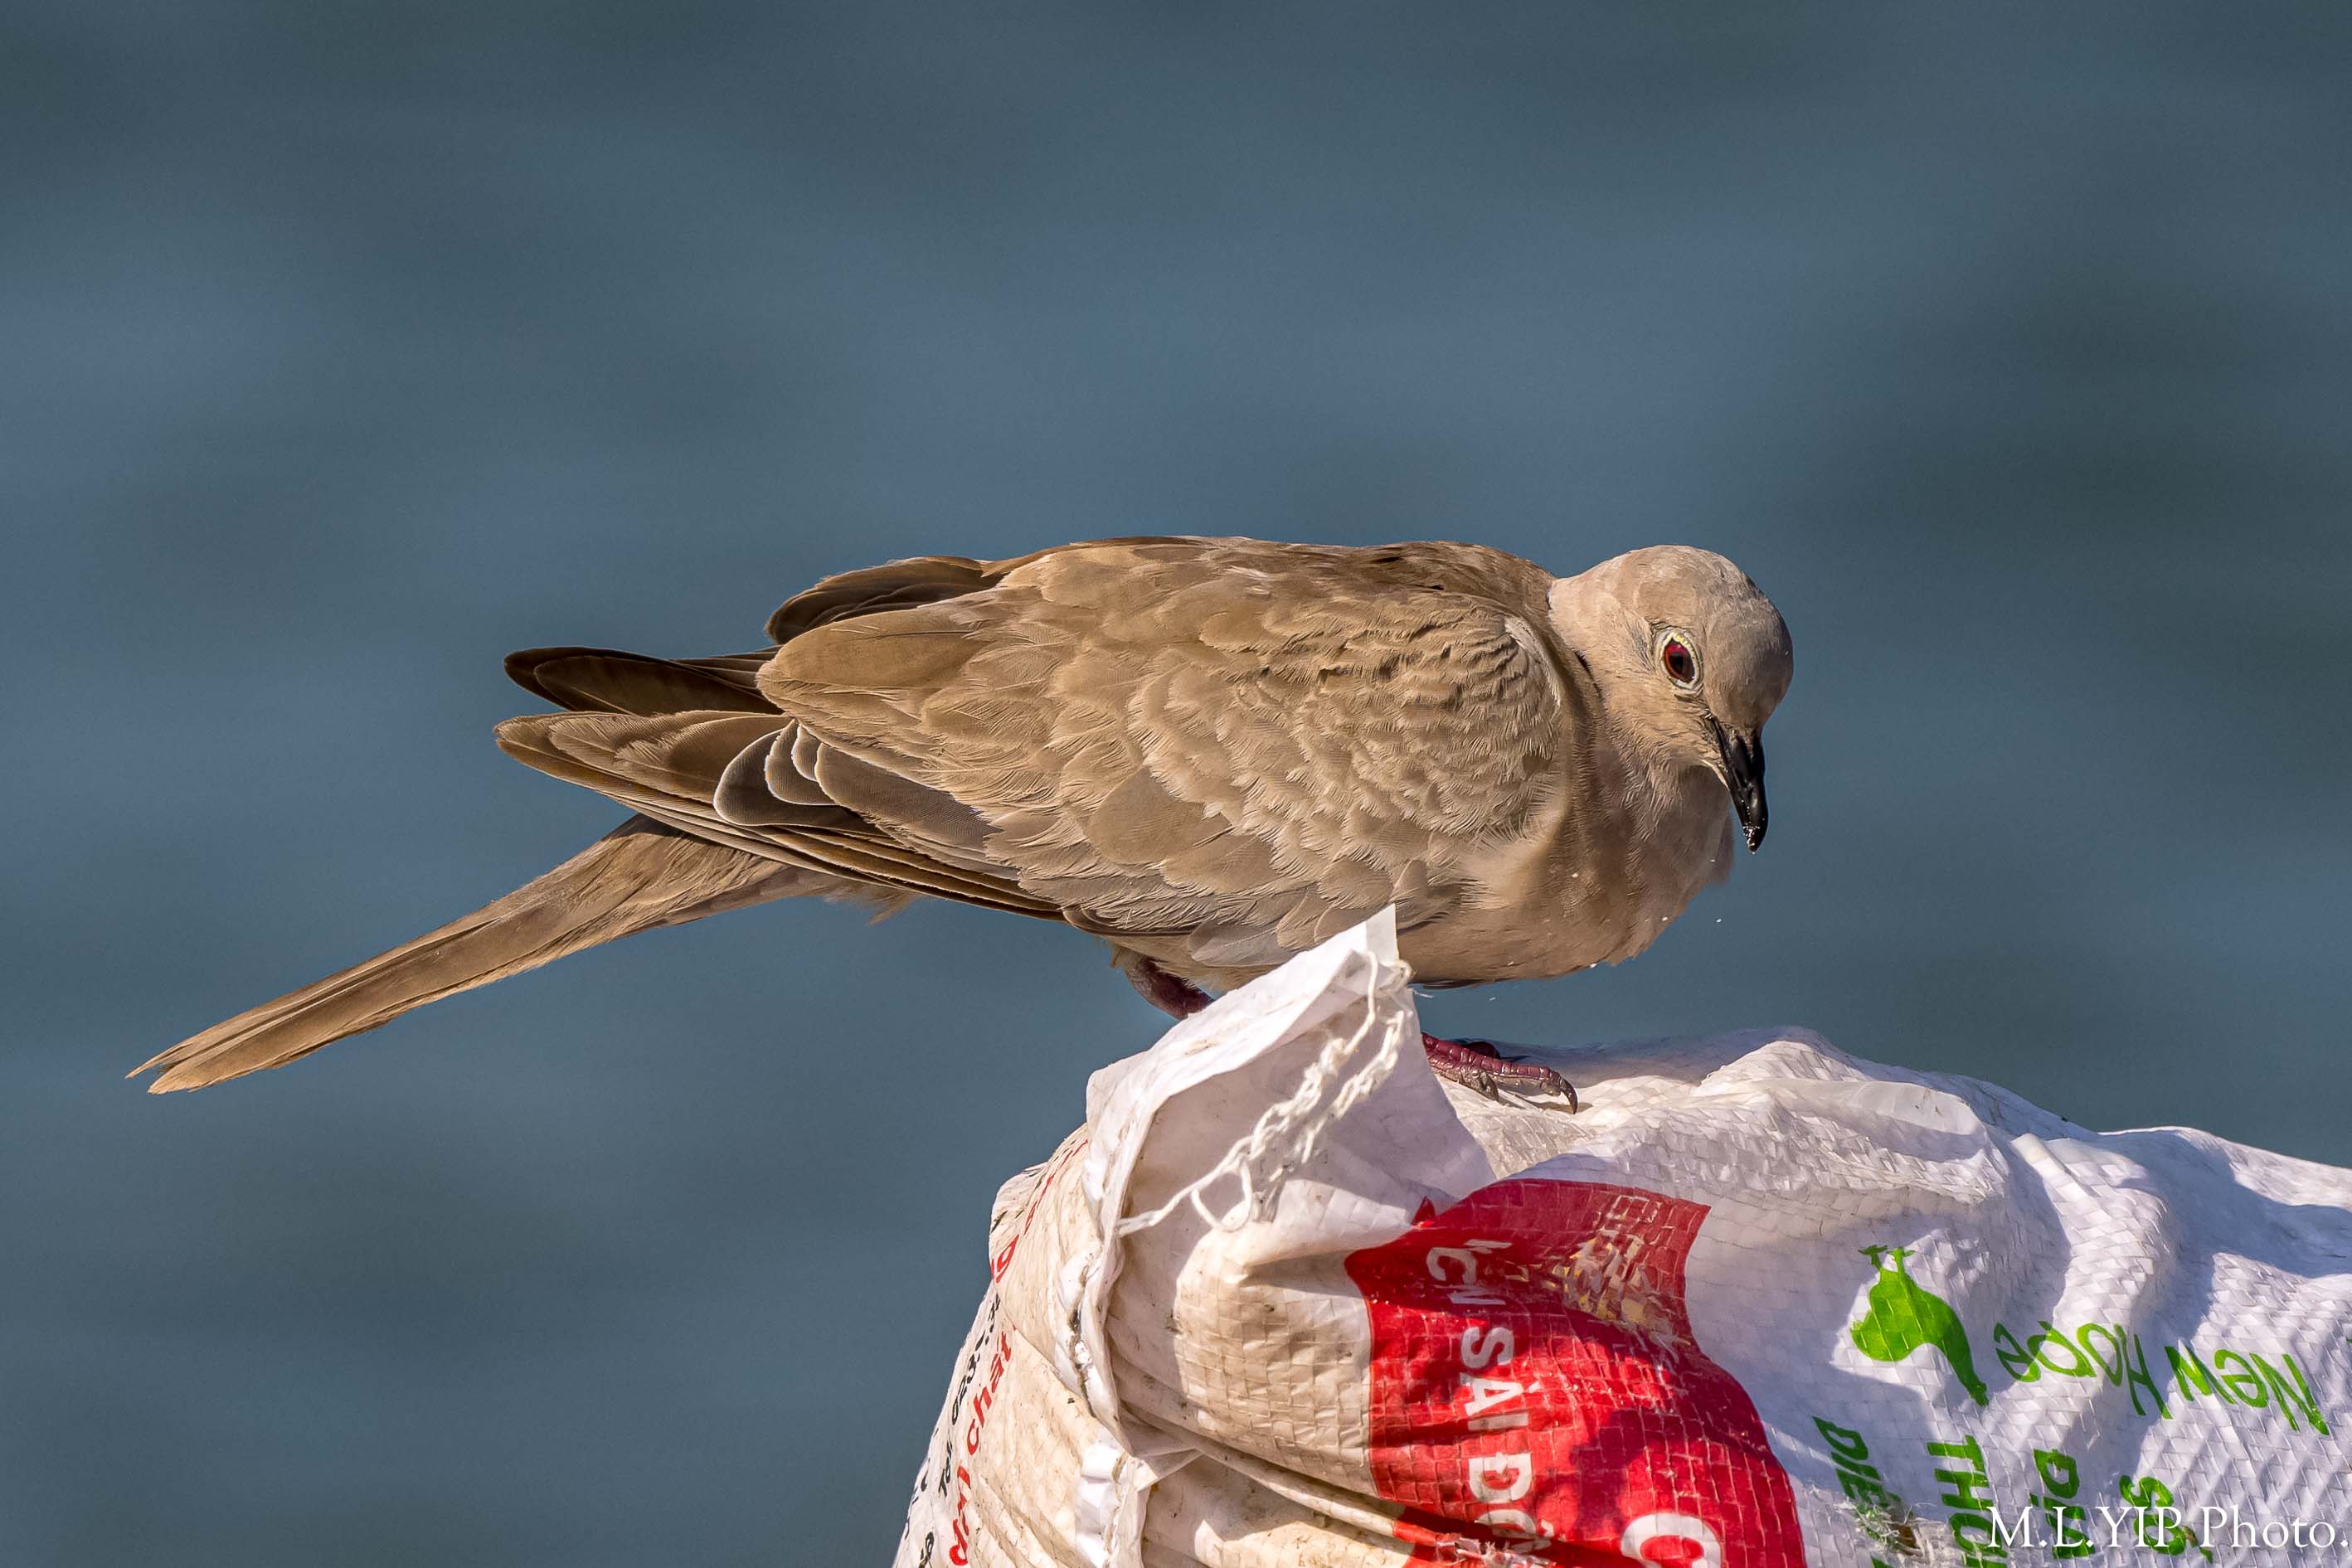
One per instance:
(1235, 748)
(1250, 745)
(605, 680)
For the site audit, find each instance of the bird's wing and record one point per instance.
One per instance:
(896, 585)
(610, 680)
(1247, 747)
(902, 584)
(606, 680)
(659, 734)
(680, 769)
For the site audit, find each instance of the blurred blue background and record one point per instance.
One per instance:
(346, 348)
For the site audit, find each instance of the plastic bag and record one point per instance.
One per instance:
(1289, 1300)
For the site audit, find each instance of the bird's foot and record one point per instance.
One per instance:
(1475, 1064)
(1171, 994)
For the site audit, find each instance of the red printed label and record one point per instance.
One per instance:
(1535, 1385)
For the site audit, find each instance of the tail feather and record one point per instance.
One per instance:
(640, 875)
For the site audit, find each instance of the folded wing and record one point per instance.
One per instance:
(1240, 747)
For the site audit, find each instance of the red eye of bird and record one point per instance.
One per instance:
(1681, 663)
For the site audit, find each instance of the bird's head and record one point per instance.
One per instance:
(1691, 659)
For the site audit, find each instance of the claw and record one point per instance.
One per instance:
(1478, 1066)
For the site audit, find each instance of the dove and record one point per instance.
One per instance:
(1211, 753)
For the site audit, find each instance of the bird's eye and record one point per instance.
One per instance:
(1678, 659)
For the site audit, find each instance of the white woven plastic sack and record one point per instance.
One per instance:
(1288, 1301)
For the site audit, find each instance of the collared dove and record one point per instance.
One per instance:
(1213, 753)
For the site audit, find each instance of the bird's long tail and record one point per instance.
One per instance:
(640, 875)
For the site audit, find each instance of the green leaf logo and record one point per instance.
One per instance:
(1904, 1315)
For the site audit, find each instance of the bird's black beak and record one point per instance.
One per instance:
(1743, 770)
